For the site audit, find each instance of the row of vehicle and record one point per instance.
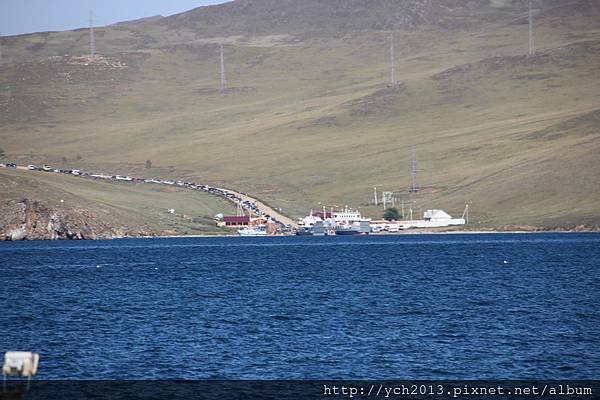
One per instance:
(247, 205)
(31, 167)
(45, 168)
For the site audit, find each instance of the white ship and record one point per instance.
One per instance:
(260, 230)
(345, 222)
(350, 222)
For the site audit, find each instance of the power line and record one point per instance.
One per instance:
(393, 60)
(414, 187)
(92, 38)
(223, 80)
(531, 38)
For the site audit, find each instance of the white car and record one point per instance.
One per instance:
(376, 228)
(393, 228)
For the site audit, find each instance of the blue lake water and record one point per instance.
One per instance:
(413, 307)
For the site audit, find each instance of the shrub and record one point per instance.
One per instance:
(391, 214)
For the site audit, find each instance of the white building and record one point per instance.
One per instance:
(433, 219)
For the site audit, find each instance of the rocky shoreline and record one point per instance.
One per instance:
(28, 219)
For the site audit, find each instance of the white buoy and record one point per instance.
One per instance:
(97, 267)
(505, 262)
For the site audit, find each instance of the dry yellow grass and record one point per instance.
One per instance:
(308, 118)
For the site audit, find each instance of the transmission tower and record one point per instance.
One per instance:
(414, 187)
(223, 81)
(393, 60)
(531, 38)
(92, 39)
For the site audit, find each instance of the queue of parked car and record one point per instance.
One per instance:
(226, 194)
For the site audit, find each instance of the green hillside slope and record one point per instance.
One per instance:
(121, 207)
(308, 117)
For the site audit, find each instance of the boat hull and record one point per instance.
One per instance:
(348, 232)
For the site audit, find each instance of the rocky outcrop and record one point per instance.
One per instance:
(17, 234)
(28, 219)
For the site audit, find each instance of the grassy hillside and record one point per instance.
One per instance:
(136, 206)
(308, 117)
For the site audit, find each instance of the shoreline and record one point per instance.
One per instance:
(110, 233)
(405, 233)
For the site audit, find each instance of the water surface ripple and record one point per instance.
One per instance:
(415, 307)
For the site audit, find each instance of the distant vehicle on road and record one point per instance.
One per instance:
(32, 167)
(47, 168)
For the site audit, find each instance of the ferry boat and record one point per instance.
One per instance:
(345, 222)
(356, 228)
(350, 222)
(304, 231)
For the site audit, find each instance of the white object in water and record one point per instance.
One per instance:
(20, 363)
(505, 262)
(260, 230)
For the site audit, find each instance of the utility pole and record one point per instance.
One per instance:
(223, 82)
(531, 38)
(375, 199)
(465, 215)
(0, 48)
(92, 39)
(403, 209)
(393, 60)
(414, 188)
